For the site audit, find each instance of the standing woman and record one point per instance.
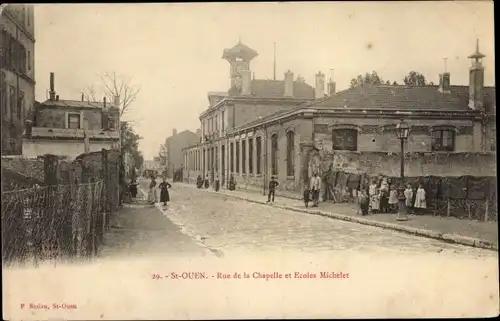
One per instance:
(164, 195)
(152, 191)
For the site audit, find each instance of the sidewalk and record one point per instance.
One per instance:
(139, 229)
(450, 229)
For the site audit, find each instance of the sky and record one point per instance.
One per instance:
(173, 51)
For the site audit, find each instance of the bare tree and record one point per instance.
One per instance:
(114, 85)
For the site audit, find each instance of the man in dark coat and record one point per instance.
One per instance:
(207, 182)
(232, 183)
(272, 189)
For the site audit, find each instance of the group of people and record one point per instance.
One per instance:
(205, 182)
(164, 194)
(382, 197)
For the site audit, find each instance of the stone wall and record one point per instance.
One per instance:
(56, 117)
(416, 164)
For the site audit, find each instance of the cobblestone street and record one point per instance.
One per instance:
(230, 226)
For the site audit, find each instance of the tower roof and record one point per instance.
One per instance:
(477, 54)
(239, 51)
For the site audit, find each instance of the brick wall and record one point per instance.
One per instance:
(377, 134)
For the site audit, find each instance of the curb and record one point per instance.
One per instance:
(450, 238)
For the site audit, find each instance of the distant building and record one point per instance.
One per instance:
(71, 127)
(17, 73)
(174, 146)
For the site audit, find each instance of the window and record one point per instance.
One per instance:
(223, 116)
(237, 157)
(250, 155)
(29, 60)
(345, 139)
(259, 152)
(274, 154)
(493, 139)
(223, 162)
(443, 140)
(12, 101)
(216, 159)
(74, 121)
(21, 51)
(204, 157)
(3, 95)
(290, 153)
(231, 157)
(20, 106)
(243, 156)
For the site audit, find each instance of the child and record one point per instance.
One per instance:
(307, 198)
(364, 202)
(420, 202)
(393, 199)
(409, 197)
(272, 188)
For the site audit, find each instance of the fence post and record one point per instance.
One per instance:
(105, 174)
(486, 210)
(50, 167)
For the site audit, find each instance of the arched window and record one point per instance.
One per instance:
(443, 139)
(290, 153)
(259, 153)
(237, 157)
(274, 154)
(345, 139)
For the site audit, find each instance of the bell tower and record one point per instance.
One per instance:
(476, 80)
(239, 58)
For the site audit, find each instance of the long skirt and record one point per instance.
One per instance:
(164, 196)
(152, 195)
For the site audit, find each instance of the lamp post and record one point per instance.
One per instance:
(402, 132)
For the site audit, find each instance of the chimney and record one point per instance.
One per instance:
(444, 83)
(117, 101)
(288, 84)
(320, 86)
(104, 102)
(174, 132)
(476, 80)
(246, 82)
(331, 87)
(83, 96)
(29, 127)
(52, 93)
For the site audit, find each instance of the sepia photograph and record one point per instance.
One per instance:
(239, 160)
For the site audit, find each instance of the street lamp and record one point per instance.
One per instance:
(402, 132)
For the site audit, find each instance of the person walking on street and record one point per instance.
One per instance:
(152, 191)
(217, 183)
(207, 183)
(315, 187)
(232, 183)
(272, 189)
(164, 195)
